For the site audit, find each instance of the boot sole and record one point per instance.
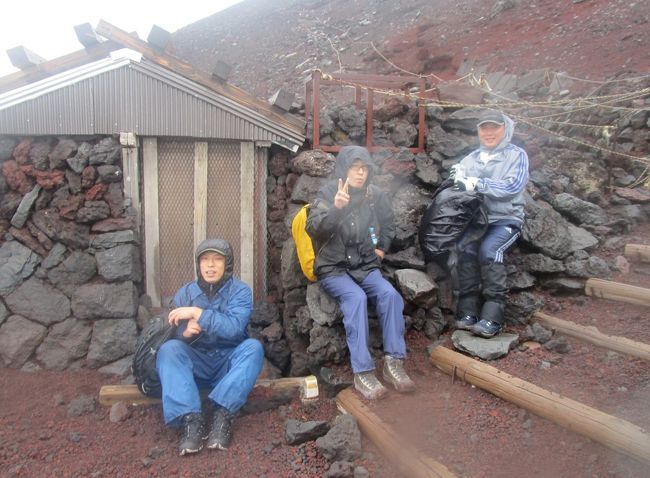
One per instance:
(186, 451)
(373, 396)
(401, 388)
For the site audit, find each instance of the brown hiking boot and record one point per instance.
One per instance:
(367, 385)
(395, 374)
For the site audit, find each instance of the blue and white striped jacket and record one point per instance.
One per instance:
(503, 174)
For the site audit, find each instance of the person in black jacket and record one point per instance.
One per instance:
(351, 225)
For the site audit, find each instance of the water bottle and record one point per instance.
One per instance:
(373, 236)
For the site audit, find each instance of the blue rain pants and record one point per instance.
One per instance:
(229, 374)
(353, 300)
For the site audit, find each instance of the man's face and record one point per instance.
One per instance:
(212, 266)
(357, 174)
(491, 134)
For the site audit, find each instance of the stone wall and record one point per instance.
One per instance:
(579, 204)
(70, 267)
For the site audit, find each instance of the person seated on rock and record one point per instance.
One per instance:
(351, 225)
(499, 171)
(211, 350)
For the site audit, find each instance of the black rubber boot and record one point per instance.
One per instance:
(193, 431)
(221, 431)
(469, 283)
(495, 286)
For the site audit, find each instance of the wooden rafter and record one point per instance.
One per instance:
(58, 65)
(181, 67)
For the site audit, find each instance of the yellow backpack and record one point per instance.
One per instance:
(304, 246)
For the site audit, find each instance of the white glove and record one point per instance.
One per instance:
(457, 171)
(465, 184)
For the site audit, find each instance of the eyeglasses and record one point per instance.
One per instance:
(361, 168)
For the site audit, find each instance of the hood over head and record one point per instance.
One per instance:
(492, 116)
(220, 246)
(347, 156)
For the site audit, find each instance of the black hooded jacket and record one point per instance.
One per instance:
(341, 237)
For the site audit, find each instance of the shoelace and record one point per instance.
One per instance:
(367, 381)
(396, 370)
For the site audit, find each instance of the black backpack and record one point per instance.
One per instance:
(156, 333)
(452, 215)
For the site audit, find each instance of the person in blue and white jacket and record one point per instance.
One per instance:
(211, 350)
(499, 171)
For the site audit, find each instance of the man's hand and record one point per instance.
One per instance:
(193, 328)
(380, 253)
(466, 184)
(184, 313)
(342, 197)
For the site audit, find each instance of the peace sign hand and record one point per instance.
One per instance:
(342, 197)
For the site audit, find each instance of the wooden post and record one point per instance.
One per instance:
(316, 77)
(369, 119)
(200, 191)
(639, 252)
(416, 464)
(247, 224)
(594, 336)
(618, 291)
(151, 223)
(131, 186)
(422, 108)
(608, 430)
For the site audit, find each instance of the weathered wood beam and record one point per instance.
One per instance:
(594, 336)
(639, 252)
(189, 71)
(58, 65)
(618, 291)
(111, 394)
(384, 437)
(613, 432)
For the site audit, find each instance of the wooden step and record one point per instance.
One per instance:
(617, 291)
(611, 431)
(594, 336)
(384, 437)
(638, 252)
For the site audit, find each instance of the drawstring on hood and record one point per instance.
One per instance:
(222, 247)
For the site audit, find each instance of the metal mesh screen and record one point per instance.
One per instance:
(176, 204)
(224, 205)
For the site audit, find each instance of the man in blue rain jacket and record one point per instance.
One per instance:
(211, 350)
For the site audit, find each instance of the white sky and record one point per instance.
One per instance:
(46, 27)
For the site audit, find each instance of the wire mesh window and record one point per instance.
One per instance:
(175, 209)
(224, 196)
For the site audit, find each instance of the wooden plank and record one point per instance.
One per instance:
(247, 224)
(594, 336)
(617, 291)
(613, 432)
(177, 65)
(638, 252)
(151, 225)
(200, 191)
(384, 437)
(58, 65)
(111, 394)
(131, 187)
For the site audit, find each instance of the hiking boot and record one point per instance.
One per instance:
(192, 440)
(395, 374)
(466, 323)
(367, 385)
(486, 328)
(221, 431)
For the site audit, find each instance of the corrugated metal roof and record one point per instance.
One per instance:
(122, 94)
